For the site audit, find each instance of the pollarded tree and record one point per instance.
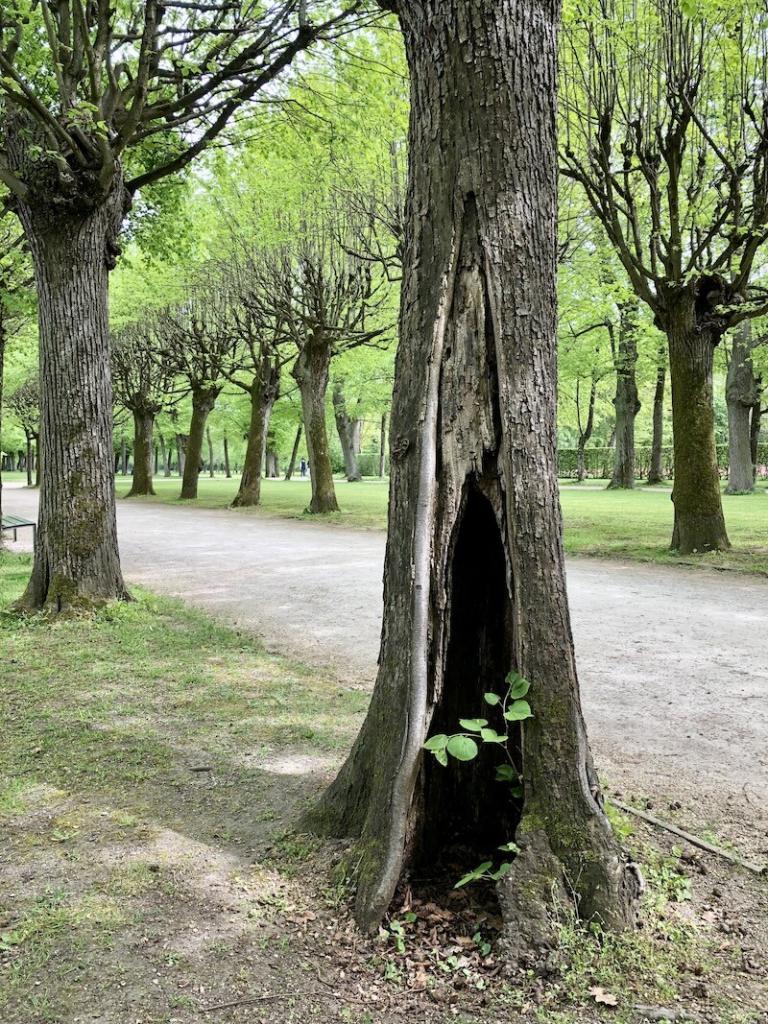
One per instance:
(24, 403)
(98, 100)
(142, 382)
(255, 364)
(326, 301)
(667, 133)
(474, 581)
(196, 342)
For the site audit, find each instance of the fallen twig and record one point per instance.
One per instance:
(759, 869)
(239, 1002)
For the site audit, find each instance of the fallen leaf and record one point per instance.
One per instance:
(602, 997)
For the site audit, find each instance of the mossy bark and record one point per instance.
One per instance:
(474, 579)
(310, 371)
(76, 563)
(699, 522)
(143, 431)
(203, 401)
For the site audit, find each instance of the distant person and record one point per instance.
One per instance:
(303, 467)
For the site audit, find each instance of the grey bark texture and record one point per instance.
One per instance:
(741, 394)
(77, 563)
(348, 430)
(474, 581)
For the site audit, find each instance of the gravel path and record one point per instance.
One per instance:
(673, 663)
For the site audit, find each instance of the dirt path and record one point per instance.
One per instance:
(673, 663)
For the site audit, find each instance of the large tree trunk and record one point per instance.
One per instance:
(165, 455)
(264, 391)
(294, 453)
(348, 431)
(656, 468)
(741, 393)
(77, 564)
(626, 401)
(203, 401)
(699, 523)
(474, 582)
(310, 371)
(143, 429)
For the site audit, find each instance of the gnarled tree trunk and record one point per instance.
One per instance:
(310, 371)
(474, 581)
(203, 401)
(348, 430)
(699, 522)
(77, 564)
(143, 430)
(263, 392)
(741, 394)
(626, 401)
(656, 468)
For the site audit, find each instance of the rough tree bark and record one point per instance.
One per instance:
(310, 371)
(699, 522)
(348, 429)
(143, 431)
(294, 453)
(73, 247)
(263, 392)
(741, 394)
(474, 580)
(626, 401)
(203, 401)
(656, 468)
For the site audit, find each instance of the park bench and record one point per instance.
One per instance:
(14, 523)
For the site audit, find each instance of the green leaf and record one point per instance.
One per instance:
(503, 869)
(506, 773)
(463, 748)
(510, 847)
(473, 724)
(438, 742)
(441, 757)
(491, 698)
(519, 711)
(519, 688)
(473, 876)
(491, 736)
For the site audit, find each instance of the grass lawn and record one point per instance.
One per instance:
(612, 524)
(152, 765)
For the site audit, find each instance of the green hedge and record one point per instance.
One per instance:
(599, 461)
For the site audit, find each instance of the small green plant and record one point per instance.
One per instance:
(464, 746)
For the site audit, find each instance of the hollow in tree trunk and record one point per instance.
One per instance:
(348, 430)
(143, 428)
(203, 401)
(656, 467)
(626, 402)
(77, 563)
(263, 392)
(474, 580)
(741, 393)
(310, 371)
(699, 522)
(294, 453)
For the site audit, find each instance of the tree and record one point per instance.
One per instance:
(474, 581)
(626, 401)
(326, 302)
(742, 393)
(656, 466)
(24, 403)
(98, 101)
(142, 383)
(196, 341)
(667, 133)
(348, 429)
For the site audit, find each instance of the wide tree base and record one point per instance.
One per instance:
(63, 598)
(320, 506)
(697, 534)
(141, 492)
